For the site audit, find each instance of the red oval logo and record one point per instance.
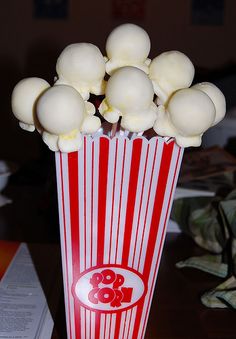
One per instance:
(109, 288)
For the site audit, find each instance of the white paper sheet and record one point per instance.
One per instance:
(24, 311)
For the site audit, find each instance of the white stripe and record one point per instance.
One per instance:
(102, 327)
(95, 201)
(122, 325)
(124, 197)
(62, 238)
(82, 317)
(109, 200)
(137, 202)
(150, 206)
(87, 324)
(117, 187)
(157, 245)
(127, 324)
(93, 323)
(81, 208)
(113, 325)
(132, 321)
(107, 329)
(88, 184)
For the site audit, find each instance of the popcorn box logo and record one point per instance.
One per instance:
(109, 288)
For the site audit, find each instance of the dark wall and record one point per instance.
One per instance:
(30, 47)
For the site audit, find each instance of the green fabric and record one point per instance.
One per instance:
(222, 296)
(207, 263)
(211, 222)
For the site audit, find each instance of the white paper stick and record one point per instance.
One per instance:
(166, 138)
(114, 129)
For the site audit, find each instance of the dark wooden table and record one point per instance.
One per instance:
(176, 309)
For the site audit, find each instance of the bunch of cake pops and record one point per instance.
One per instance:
(140, 94)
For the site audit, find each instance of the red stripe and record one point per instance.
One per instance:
(173, 185)
(102, 189)
(97, 325)
(74, 218)
(117, 325)
(102, 182)
(66, 258)
(157, 208)
(113, 202)
(92, 207)
(134, 172)
(85, 202)
(90, 329)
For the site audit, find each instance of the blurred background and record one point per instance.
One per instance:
(34, 32)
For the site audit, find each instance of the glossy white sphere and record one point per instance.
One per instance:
(191, 111)
(216, 96)
(128, 42)
(81, 62)
(171, 71)
(129, 90)
(60, 110)
(24, 97)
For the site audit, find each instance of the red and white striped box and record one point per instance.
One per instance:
(115, 197)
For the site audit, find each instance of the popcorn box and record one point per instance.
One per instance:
(115, 197)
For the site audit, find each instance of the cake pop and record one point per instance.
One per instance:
(216, 96)
(64, 115)
(188, 114)
(127, 45)
(129, 94)
(169, 72)
(24, 97)
(82, 66)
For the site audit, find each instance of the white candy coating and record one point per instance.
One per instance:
(63, 114)
(129, 94)
(192, 112)
(127, 45)
(24, 97)
(91, 124)
(169, 72)
(188, 115)
(60, 110)
(129, 90)
(216, 96)
(51, 140)
(82, 66)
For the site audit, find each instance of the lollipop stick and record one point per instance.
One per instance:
(114, 129)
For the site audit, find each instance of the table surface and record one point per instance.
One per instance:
(176, 309)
